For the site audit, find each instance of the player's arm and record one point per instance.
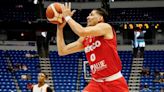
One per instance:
(101, 29)
(64, 49)
(137, 34)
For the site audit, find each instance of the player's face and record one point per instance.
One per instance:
(93, 18)
(41, 77)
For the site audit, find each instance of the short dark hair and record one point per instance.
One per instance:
(103, 13)
(44, 74)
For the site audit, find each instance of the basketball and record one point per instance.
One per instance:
(54, 13)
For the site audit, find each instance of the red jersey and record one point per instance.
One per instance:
(102, 56)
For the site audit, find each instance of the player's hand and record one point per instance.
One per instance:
(66, 10)
(62, 25)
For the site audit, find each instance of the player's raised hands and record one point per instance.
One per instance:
(66, 9)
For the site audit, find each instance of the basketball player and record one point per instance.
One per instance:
(98, 40)
(41, 86)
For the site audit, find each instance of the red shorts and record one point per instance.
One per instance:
(118, 85)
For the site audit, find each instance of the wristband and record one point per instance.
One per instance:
(67, 18)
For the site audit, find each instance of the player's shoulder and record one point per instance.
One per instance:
(104, 25)
(34, 85)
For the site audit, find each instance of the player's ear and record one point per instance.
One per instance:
(101, 19)
(46, 77)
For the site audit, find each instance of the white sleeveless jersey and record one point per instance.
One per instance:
(40, 89)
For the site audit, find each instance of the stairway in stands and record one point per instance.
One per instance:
(135, 75)
(45, 67)
(80, 64)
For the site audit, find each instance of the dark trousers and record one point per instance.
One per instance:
(141, 52)
(42, 46)
(135, 52)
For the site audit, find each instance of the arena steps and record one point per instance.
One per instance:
(45, 66)
(134, 79)
(79, 74)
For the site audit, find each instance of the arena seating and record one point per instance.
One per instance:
(18, 59)
(6, 77)
(126, 58)
(18, 11)
(25, 10)
(126, 14)
(137, 14)
(65, 70)
(154, 61)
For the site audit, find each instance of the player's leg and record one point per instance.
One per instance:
(92, 87)
(135, 51)
(142, 52)
(119, 85)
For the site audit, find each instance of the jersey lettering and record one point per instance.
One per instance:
(92, 57)
(98, 66)
(93, 46)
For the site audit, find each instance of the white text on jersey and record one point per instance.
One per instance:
(98, 66)
(92, 46)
